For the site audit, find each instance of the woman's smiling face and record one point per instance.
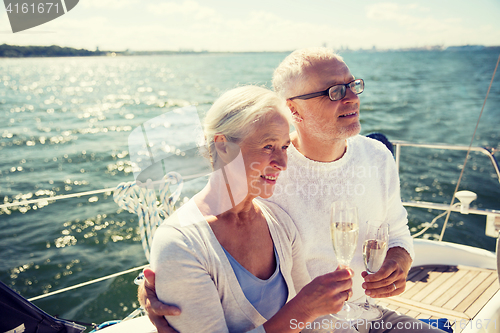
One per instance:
(264, 153)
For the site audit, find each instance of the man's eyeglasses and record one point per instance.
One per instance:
(336, 92)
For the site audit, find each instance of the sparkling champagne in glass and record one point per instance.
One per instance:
(344, 229)
(374, 252)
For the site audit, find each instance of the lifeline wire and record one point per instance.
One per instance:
(72, 195)
(87, 283)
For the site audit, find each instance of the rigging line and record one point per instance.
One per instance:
(87, 283)
(468, 152)
(72, 195)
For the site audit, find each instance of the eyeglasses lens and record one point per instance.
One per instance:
(337, 92)
(357, 87)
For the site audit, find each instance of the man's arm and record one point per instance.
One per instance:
(155, 309)
(390, 280)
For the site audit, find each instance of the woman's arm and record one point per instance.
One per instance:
(182, 279)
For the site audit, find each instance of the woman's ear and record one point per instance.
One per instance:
(222, 147)
(296, 117)
(226, 150)
(220, 141)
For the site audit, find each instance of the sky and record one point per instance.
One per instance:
(264, 25)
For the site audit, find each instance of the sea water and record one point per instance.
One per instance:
(65, 128)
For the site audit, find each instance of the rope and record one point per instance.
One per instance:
(468, 152)
(140, 198)
(432, 223)
(87, 283)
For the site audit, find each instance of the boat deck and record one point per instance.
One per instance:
(457, 293)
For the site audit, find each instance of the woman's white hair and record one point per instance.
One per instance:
(236, 112)
(289, 77)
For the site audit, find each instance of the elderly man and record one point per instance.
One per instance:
(328, 161)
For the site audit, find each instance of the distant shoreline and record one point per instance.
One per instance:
(15, 51)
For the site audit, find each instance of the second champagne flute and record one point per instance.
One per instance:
(344, 228)
(374, 252)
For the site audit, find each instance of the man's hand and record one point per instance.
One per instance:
(390, 280)
(156, 310)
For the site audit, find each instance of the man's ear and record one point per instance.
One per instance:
(293, 109)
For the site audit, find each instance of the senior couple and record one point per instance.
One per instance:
(252, 251)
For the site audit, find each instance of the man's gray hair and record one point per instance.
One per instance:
(289, 78)
(237, 111)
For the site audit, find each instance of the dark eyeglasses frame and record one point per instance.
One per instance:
(327, 91)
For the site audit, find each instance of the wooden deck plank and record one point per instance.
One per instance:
(403, 310)
(425, 276)
(445, 297)
(470, 268)
(426, 308)
(415, 275)
(413, 313)
(452, 292)
(439, 283)
(392, 306)
(382, 303)
(462, 293)
(453, 278)
(476, 293)
(473, 310)
(423, 316)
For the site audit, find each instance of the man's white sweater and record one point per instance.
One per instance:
(366, 176)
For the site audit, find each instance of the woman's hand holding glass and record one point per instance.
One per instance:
(325, 294)
(344, 229)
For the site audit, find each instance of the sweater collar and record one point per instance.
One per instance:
(296, 159)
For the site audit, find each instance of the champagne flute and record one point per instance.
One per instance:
(374, 252)
(344, 229)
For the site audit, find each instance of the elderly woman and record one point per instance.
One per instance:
(229, 260)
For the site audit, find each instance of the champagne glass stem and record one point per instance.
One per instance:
(368, 298)
(367, 302)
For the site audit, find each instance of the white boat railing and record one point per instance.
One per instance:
(437, 206)
(487, 151)
(493, 216)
